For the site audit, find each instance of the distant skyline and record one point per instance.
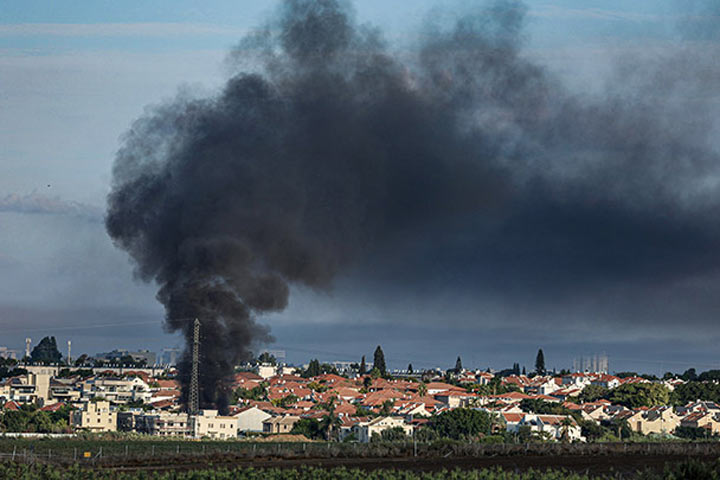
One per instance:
(73, 78)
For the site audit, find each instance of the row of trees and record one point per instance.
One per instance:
(33, 420)
(47, 353)
(635, 395)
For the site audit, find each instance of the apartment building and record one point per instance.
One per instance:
(211, 425)
(94, 417)
(116, 390)
(163, 424)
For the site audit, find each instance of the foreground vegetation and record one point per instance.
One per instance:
(687, 470)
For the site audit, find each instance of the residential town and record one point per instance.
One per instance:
(363, 402)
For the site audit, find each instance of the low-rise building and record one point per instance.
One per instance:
(282, 424)
(558, 427)
(211, 425)
(250, 419)
(658, 420)
(364, 431)
(94, 417)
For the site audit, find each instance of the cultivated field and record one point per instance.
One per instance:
(172, 456)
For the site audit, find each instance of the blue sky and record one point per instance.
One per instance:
(74, 76)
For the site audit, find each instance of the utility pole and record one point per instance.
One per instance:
(194, 398)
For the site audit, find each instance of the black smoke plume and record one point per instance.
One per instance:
(329, 152)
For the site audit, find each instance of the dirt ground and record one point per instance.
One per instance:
(591, 464)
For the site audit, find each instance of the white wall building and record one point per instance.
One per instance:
(365, 430)
(250, 419)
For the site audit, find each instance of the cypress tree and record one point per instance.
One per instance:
(379, 361)
(363, 367)
(410, 369)
(540, 363)
(313, 369)
(46, 351)
(458, 365)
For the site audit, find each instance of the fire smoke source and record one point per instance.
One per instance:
(331, 147)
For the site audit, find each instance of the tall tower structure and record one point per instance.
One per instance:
(194, 394)
(28, 342)
(69, 358)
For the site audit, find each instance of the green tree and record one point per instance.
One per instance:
(81, 360)
(309, 427)
(46, 351)
(565, 425)
(313, 369)
(266, 357)
(592, 393)
(327, 368)
(694, 433)
(379, 361)
(458, 365)
(363, 367)
(540, 363)
(709, 376)
(422, 389)
(330, 422)
(691, 391)
(410, 369)
(395, 434)
(462, 423)
(634, 395)
(285, 401)
(257, 393)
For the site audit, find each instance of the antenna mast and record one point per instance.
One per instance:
(194, 400)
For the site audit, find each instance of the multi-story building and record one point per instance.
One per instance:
(211, 425)
(116, 356)
(64, 390)
(163, 424)
(29, 388)
(116, 390)
(94, 417)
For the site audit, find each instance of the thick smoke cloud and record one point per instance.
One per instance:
(332, 154)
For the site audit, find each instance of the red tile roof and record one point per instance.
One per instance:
(53, 408)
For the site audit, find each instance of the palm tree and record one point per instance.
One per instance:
(566, 423)
(330, 421)
(422, 389)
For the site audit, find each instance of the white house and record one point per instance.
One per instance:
(250, 419)
(558, 427)
(364, 430)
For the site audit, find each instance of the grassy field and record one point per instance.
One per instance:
(686, 470)
(118, 448)
(170, 458)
